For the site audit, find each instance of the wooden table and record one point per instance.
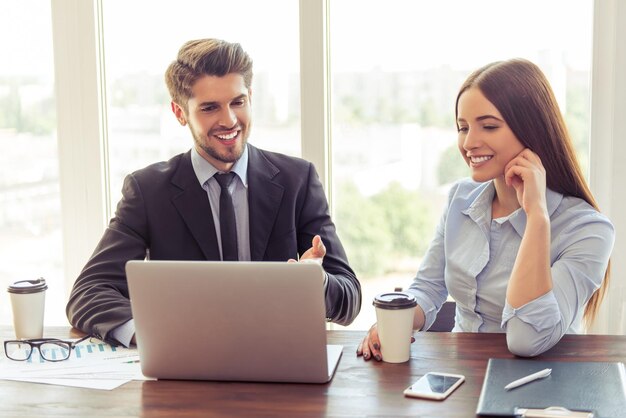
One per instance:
(358, 389)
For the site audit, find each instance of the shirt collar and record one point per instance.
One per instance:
(205, 170)
(479, 209)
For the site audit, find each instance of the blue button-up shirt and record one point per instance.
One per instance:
(472, 256)
(238, 190)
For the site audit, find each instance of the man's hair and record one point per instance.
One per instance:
(202, 57)
(524, 98)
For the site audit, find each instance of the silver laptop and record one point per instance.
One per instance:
(242, 321)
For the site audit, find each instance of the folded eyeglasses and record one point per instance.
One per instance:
(50, 349)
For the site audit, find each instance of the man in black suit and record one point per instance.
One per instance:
(171, 210)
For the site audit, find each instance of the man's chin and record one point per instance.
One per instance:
(229, 156)
(218, 152)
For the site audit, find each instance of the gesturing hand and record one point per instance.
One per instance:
(316, 253)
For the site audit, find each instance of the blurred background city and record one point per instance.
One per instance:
(395, 75)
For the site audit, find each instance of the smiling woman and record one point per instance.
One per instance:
(394, 142)
(485, 140)
(522, 248)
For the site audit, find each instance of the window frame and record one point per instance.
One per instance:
(608, 105)
(82, 127)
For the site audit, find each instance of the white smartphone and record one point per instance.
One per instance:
(435, 385)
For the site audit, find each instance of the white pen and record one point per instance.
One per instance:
(529, 378)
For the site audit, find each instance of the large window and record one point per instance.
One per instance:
(395, 67)
(30, 205)
(141, 127)
(395, 76)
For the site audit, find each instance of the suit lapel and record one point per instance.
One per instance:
(192, 203)
(264, 199)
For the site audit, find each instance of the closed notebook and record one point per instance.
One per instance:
(598, 387)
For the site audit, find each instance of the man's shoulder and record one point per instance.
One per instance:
(281, 161)
(161, 169)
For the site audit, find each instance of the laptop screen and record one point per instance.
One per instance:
(246, 321)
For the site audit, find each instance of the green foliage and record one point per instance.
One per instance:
(350, 109)
(10, 109)
(430, 115)
(378, 231)
(138, 90)
(451, 166)
(577, 120)
(38, 118)
(407, 217)
(364, 234)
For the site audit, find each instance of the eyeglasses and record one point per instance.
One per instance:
(50, 349)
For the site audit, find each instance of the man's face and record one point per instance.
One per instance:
(219, 118)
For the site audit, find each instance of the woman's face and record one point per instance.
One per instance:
(485, 140)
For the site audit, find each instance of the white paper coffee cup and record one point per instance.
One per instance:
(394, 315)
(28, 300)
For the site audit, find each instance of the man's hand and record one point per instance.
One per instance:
(314, 254)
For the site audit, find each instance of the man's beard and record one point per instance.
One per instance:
(230, 156)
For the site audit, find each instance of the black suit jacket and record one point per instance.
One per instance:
(165, 210)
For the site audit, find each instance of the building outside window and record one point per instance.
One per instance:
(30, 204)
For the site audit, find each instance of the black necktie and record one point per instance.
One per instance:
(228, 226)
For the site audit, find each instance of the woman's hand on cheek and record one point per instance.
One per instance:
(527, 175)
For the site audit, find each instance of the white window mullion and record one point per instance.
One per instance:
(80, 129)
(608, 148)
(315, 88)
(315, 91)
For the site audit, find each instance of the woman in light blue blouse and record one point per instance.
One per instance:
(521, 247)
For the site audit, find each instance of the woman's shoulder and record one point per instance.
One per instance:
(573, 213)
(467, 189)
(577, 208)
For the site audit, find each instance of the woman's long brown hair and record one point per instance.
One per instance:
(524, 98)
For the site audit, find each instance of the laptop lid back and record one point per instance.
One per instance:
(245, 321)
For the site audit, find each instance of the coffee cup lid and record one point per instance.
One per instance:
(28, 286)
(394, 300)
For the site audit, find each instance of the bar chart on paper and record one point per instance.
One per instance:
(92, 364)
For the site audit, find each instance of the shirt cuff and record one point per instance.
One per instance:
(124, 333)
(541, 313)
(427, 306)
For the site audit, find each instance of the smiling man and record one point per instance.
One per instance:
(222, 200)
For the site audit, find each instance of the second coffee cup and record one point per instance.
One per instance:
(394, 315)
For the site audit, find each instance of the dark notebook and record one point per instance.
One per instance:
(597, 387)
